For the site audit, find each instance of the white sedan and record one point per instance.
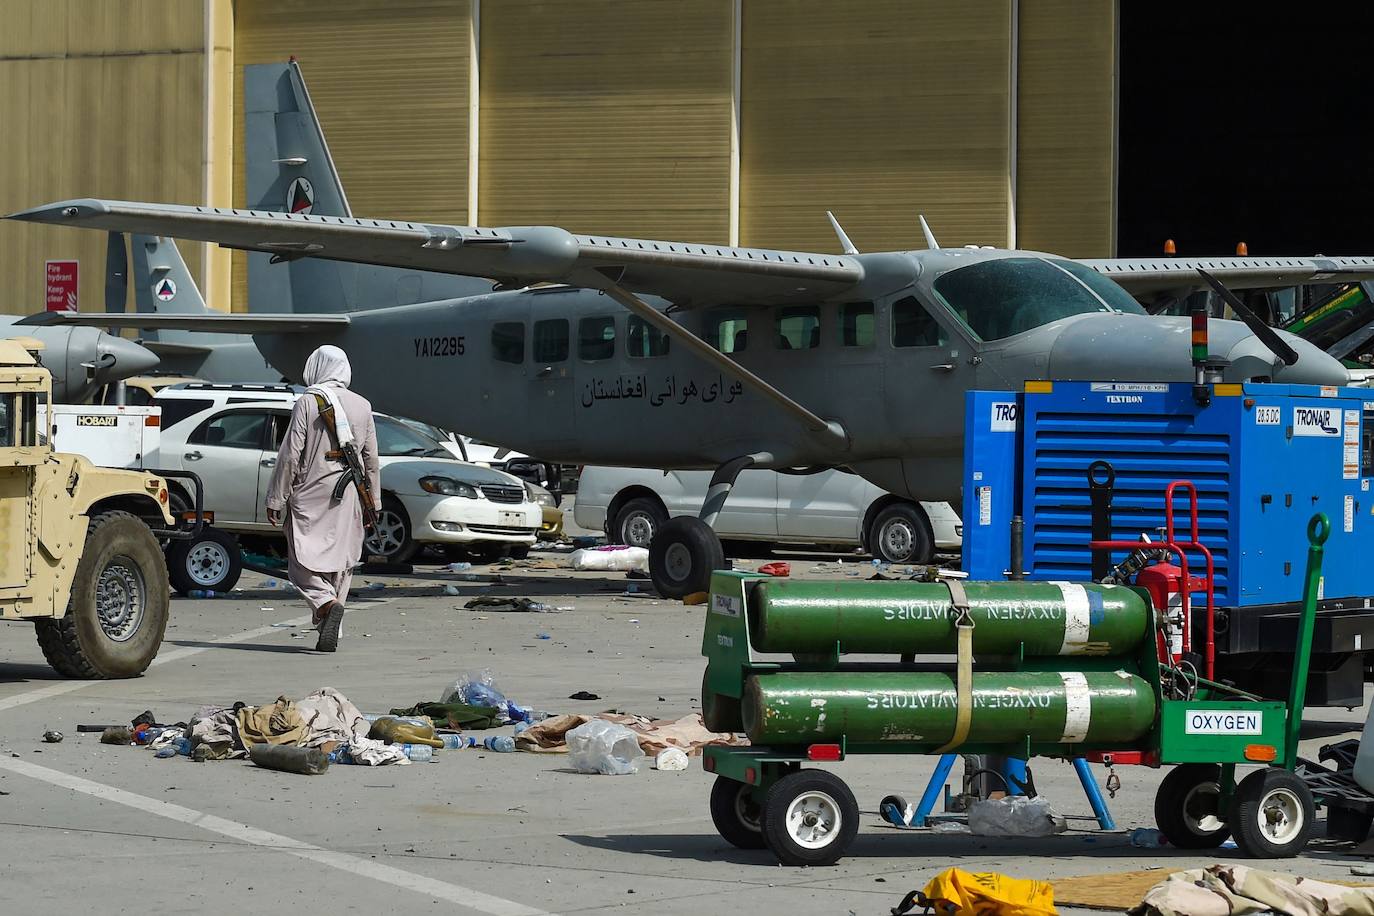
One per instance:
(427, 497)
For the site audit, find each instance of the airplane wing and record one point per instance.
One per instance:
(1179, 276)
(244, 323)
(686, 274)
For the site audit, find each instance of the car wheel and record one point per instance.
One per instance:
(638, 521)
(211, 561)
(899, 534)
(391, 540)
(520, 551)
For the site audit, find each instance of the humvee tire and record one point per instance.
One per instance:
(119, 604)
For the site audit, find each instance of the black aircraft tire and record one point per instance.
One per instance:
(211, 561)
(121, 565)
(1187, 796)
(738, 816)
(684, 553)
(1272, 814)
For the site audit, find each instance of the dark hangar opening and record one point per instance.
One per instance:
(1244, 122)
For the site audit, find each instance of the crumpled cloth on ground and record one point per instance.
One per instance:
(329, 716)
(456, 716)
(216, 728)
(1237, 890)
(167, 736)
(687, 733)
(280, 723)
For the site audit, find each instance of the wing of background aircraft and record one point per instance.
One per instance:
(1146, 277)
(686, 274)
(246, 323)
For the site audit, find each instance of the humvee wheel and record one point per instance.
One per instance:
(118, 608)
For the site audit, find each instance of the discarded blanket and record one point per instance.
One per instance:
(516, 605)
(1235, 890)
(687, 733)
(456, 716)
(280, 723)
(330, 716)
(216, 728)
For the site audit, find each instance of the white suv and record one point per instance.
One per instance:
(832, 508)
(427, 497)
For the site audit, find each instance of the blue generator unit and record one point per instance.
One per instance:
(1262, 457)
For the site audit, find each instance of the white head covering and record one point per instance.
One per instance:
(328, 365)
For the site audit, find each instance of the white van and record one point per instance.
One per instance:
(830, 508)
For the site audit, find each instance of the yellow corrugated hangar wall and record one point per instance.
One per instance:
(97, 98)
(709, 121)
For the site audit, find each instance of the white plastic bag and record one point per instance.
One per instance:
(671, 759)
(476, 688)
(603, 747)
(612, 559)
(1015, 815)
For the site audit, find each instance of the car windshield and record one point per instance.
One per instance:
(1008, 296)
(396, 439)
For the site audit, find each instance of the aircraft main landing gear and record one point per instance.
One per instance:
(685, 550)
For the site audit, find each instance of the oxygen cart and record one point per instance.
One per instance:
(1051, 669)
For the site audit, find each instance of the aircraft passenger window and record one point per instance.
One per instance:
(596, 338)
(728, 333)
(508, 341)
(856, 324)
(912, 325)
(239, 429)
(799, 327)
(550, 340)
(643, 339)
(1009, 296)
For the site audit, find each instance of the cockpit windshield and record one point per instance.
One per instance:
(1008, 296)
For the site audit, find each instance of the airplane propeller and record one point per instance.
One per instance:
(1266, 334)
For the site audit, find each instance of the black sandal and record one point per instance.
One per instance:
(329, 629)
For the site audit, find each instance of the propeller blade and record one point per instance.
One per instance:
(116, 273)
(1267, 335)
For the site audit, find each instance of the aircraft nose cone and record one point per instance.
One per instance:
(130, 359)
(1149, 348)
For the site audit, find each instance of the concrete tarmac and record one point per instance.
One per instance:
(86, 827)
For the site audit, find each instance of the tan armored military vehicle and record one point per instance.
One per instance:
(78, 553)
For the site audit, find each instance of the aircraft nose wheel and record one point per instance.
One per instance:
(682, 556)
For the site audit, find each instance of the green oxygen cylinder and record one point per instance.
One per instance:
(1068, 707)
(1050, 618)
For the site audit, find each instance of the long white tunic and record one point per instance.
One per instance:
(322, 534)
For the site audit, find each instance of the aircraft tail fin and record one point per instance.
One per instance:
(163, 285)
(289, 168)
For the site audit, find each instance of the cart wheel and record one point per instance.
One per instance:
(1272, 814)
(1188, 807)
(895, 811)
(736, 813)
(809, 818)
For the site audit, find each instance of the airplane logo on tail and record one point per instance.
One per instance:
(300, 196)
(166, 290)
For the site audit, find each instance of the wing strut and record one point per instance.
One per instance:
(833, 433)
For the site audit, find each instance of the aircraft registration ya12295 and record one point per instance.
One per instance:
(607, 350)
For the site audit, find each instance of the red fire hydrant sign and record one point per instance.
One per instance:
(60, 280)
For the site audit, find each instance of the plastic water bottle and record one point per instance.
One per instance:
(455, 742)
(1148, 838)
(521, 726)
(501, 744)
(180, 746)
(341, 754)
(418, 753)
